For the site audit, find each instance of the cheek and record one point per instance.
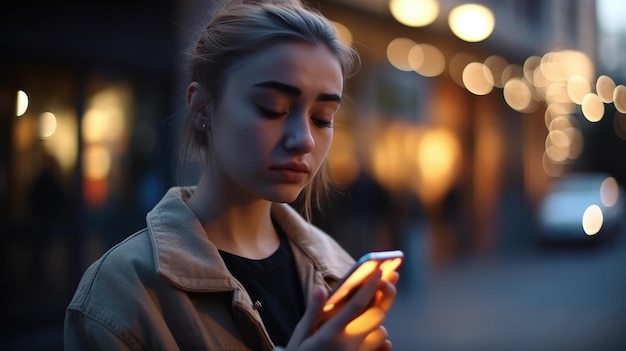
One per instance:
(260, 136)
(322, 143)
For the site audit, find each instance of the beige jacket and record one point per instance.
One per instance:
(167, 288)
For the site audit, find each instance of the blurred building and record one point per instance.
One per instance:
(444, 147)
(466, 136)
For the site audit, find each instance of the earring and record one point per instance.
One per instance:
(203, 125)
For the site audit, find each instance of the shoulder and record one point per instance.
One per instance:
(119, 272)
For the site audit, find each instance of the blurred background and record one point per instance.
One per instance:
(484, 139)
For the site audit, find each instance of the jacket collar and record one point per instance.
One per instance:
(186, 257)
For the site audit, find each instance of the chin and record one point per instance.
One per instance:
(282, 195)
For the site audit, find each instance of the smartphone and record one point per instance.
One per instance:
(387, 261)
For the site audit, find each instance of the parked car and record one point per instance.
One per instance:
(581, 209)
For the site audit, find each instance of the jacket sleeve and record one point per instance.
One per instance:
(81, 332)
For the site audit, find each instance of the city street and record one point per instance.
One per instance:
(565, 299)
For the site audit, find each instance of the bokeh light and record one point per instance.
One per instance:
(619, 98)
(593, 220)
(105, 117)
(438, 155)
(342, 157)
(577, 88)
(414, 13)
(604, 88)
(496, 64)
(398, 53)
(592, 107)
(478, 79)
(517, 94)
(416, 57)
(434, 62)
(529, 66)
(458, 62)
(343, 32)
(96, 162)
(47, 124)
(512, 71)
(551, 168)
(472, 22)
(21, 104)
(609, 192)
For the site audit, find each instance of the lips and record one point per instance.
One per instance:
(291, 172)
(293, 166)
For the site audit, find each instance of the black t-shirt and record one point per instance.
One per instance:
(274, 287)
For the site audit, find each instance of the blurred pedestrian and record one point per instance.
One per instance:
(228, 264)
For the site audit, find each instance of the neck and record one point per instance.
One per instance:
(236, 224)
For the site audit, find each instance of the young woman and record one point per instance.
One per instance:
(228, 264)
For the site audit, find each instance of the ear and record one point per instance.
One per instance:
(198, 106)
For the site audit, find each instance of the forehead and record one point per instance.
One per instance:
(309, 67)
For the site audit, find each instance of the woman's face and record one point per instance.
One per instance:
(272, 128)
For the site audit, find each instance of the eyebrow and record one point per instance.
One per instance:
(293, 91)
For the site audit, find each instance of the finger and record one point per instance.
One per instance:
(386, 346)
(392, 277)
(366, 322)
(358, 303)
(386, 295)
(307, 323)
(374, 340)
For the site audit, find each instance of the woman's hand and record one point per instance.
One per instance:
(357, 326)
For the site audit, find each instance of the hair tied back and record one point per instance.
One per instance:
(229, 3)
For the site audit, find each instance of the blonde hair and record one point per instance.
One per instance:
(238, 29)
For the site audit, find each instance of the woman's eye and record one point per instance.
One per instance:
(322, 123)
(266, 112)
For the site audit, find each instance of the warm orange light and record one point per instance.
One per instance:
(343, 32)
(342, 158)
(63, 143)
(106, 115)
(437, 156)
(96, 162)
(351, 283)
(393, 153)
(389, 267)
(366, 321)
(95, 191)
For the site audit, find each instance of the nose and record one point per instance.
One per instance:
(298, 136)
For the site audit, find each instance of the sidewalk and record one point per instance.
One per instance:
(552, 300)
